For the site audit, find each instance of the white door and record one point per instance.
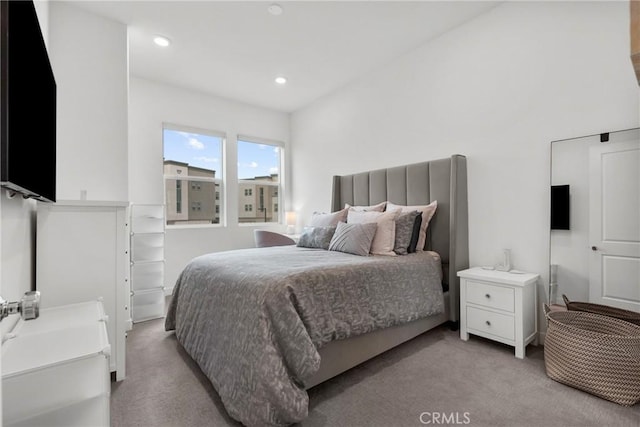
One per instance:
(614, 223)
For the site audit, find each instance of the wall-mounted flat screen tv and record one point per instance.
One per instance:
(560, 207)
(27, 105)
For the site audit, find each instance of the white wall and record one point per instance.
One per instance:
(89, 57)
(151, 105)
(498, 89)
(17, 236)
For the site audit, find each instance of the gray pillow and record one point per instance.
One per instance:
(316, 237)
(353, 238)
(404, 231)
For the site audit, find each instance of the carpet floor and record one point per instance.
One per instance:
(434, 379)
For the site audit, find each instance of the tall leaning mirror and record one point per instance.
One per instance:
(595, 219)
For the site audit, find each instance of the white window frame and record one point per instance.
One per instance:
(220, 181)
(279, 184)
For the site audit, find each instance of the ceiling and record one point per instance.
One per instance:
(235, 49)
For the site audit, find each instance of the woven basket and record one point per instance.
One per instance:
(605, 310)
(594, 353)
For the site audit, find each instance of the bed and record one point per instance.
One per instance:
(267, 324)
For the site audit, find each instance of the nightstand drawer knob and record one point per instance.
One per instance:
(487, 295)
(488, 323)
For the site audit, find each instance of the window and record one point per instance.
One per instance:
(259, 170)
(178, 196)
(194, 156)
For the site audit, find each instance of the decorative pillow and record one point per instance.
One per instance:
(385, 238)
(427, 213)
(415, 234)
(404, 231)
(353, 239)
(375, 208)
(316, 237)
(322, 219)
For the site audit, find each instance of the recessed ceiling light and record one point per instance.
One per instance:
(275, 9)
(161, 41)
(281, 80)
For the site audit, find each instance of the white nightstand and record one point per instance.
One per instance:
(500, 306)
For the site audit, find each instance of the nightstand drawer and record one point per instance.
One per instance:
(500, 325)
(498, 297)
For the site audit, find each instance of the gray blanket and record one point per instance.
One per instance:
(253, 319)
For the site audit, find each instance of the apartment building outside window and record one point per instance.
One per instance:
(259, 179)
(193, 175)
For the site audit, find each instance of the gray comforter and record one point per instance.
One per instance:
(253, 319)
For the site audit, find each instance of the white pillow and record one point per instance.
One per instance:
(385, 238)
(427, 213)
(323, 219)
(376, 208)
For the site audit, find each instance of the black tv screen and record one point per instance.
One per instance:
(560, 207)
(27, 105)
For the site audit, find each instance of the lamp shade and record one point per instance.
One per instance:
(291, 217)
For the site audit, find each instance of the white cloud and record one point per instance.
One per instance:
(207, 159)
(195, 143)
(273, 170)
(262, 146)
(276, 149)
(253, 165)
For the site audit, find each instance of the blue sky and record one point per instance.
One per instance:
(205, 151)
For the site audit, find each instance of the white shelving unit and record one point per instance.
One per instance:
(55, 369)
(147, 262)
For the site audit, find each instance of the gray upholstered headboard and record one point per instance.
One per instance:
(444, 180)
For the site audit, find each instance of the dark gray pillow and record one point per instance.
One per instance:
(316, 237)
(405, 223)
(353, 238)
(416, 234)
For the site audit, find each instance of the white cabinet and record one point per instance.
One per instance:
(82, 254)
(147, 262)
(55, 369)
(500, 306)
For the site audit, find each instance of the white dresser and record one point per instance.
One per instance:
(82, 254)
(500, 306)
(55, 369)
